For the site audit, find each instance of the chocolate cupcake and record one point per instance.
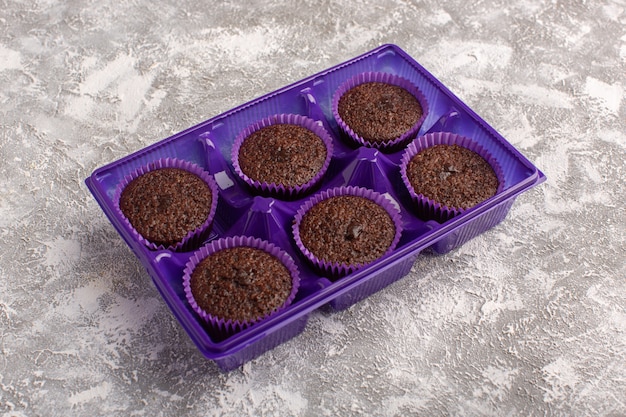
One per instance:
(236, 281)
(447, 174)
(168, 204)
(346, 228)
(379, 110)
(284, 155)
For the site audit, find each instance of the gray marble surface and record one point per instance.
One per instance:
(526, 319)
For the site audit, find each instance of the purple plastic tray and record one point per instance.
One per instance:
(240, 212)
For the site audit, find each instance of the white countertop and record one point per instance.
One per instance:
(526, 319)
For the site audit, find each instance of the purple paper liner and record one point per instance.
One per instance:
(194, 238)
(225, 326)
(336, 269)
(386, 78)
(281, 190)
(426, 207)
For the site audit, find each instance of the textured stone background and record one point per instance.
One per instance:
(527, 319)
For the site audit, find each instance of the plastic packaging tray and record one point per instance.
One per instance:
(240, 212)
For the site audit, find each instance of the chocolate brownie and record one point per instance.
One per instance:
(164, 205)
(347, 229)
(240, 283)
(379, 112)
(282, 154)
(452, 175)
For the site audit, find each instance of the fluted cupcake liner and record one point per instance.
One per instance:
(336, 269)
(386, 78)
(281, 190)
(428, 208)
(194, 238)
(223, 325)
